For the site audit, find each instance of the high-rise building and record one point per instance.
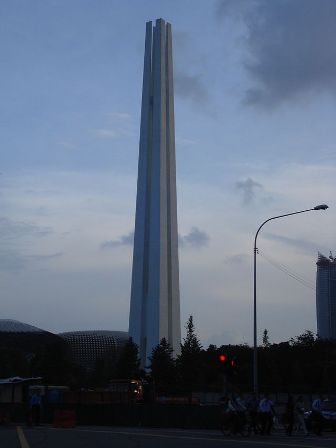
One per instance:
(326, 296)
(155, 296)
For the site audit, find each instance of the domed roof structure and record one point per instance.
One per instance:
(14, 326)
(89, 346)
(15, 335)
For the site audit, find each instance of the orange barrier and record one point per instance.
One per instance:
(64, 419)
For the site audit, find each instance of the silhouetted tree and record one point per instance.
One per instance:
(306, 339)
(163, 367)
(128, 362)
(189, 361)
(103, 372)
(265, 339)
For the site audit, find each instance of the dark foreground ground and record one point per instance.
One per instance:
(107, 437)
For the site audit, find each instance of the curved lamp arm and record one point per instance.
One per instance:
(318, 207)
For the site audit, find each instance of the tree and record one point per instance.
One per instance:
(103, 371)
(128, 362)
(191, 344)
(189, 361)
(265, 339)
(163, 368)
(306, 339)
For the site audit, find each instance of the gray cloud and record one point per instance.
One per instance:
(190, 65)
(105, 133)
(11, 260)
(68, 145)
(124, 240)
(237, 259)
(291, 45)
(10, 229)
(235, 8)
(46, 257)
(195, 238)
(303, 245)
(249, 189)
(11, 233)
(191, 87)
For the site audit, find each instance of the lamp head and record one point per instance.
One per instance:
(321, 207)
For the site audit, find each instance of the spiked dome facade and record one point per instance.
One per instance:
(155, 296)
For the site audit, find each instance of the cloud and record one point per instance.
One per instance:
(45, 257)
(12, 234)
(291, 47)
(303, 245)
(190, 72)
(117, 124)
(237, 259)
(249, 189)
(185, 141)
(195, 238)
(11, 260)
(68, 145)
(122, 116)
(105, 133)
(235, 8)
(10, 229)
(124, 240)
(191, 87)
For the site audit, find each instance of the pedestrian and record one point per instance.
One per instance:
(241, 414)
(289, 415)
(224, 415)
(236, 415)
(299, 410)
(252, 406)
(35, 407)
(316, 415)
(232, 415)
(266, 409)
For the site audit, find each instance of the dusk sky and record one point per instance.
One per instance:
(255, 114)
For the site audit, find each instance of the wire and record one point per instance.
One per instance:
(287, 271)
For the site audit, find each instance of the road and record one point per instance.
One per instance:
(107, 437)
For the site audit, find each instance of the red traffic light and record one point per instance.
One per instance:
(222, 358)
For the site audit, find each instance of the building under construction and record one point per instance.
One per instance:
(326, 296)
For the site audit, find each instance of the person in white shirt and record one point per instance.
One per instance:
(299, 414)
(266, 409)
(316, 405)
(316, 415)
(236, 413)
(35, 407)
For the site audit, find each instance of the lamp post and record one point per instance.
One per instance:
(255, 344)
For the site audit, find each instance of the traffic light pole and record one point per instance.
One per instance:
(255, 251)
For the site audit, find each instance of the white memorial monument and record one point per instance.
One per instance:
(155, 295)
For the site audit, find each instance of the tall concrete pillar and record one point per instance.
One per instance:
(155, 295)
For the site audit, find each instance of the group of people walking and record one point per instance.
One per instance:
(258, 416)
(294, 415)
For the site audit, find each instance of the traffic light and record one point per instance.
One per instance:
(222, 358)
(222, 361)
(227, 364)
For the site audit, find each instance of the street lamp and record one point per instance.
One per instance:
(255, 345)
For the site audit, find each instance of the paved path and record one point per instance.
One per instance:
(107, 437)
